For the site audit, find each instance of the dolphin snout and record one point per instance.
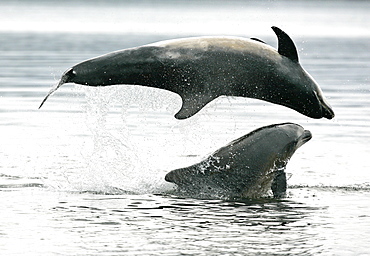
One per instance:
(327, 111)
(306, 136)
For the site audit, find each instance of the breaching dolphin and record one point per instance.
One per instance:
(247, 167)
(201, 69)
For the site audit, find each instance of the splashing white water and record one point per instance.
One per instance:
(118, 161)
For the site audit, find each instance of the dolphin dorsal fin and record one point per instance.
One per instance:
(286, 45)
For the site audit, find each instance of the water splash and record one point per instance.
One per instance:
(117, 161)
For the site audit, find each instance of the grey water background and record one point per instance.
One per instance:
(85, 174)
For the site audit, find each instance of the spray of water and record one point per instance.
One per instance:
(118, 161)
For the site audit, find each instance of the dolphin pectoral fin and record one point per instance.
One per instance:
(173, 176)
(192, 105)
(286, 45)
(279, 184)
(181, 176)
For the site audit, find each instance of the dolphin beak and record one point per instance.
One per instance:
(327, 111)
(306, 136)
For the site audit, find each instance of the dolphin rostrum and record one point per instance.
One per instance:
(201, 69)
(247, 167)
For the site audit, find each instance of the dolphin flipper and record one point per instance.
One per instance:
(186, 176)
(192, 105)
(279, 184)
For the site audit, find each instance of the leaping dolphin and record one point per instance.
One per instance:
(247, 167)
(201, 69)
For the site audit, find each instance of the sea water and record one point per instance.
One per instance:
(84, 175)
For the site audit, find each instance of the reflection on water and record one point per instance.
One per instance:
(155, 224)
(87, 224)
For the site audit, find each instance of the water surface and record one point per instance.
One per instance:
(85, 174)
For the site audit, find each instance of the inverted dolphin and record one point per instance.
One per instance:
(247, 167)
(201, 69)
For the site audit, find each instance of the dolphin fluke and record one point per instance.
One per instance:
(64, 79)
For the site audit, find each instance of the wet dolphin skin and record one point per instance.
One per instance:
(200, 69)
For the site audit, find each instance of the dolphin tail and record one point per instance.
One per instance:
(64, 79)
